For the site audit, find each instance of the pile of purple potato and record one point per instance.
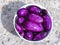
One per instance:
(33, 23)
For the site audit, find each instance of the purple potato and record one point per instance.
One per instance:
(40, 36)
(47, 22)
(29, 35)
(20, 20)
(35, 18)
(22, 12)
(34, 9)
(31, 26)
(19, 28)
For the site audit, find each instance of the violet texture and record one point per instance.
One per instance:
(33, 23)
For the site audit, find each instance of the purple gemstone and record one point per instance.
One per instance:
(20, 20)
(19, 28)
(34, 9)
(22, 12)
(35, 18)
(40, 36)
(47, 22)
(29, 35)
(33, 27)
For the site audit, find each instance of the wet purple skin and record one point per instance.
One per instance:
(22, 12)
(33, 23)
(47, 22)
(19, 28)
(40, 36)
(36, 18)
(20, 20)
(34, 9)
(29, 35)
(22, 34)
(43, 12)
(34, 27)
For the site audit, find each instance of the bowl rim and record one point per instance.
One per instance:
(29, 40)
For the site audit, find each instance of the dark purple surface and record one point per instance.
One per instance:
(40, 36)
(47, 22)
(34, 27)
(20, 20)
(33, 23)
(34, 9)
(43, 12)
(29, 35)
(35, 18)
(22, 12)
(19, 28)
(22, 34)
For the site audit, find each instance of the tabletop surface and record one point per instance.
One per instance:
(8, 9)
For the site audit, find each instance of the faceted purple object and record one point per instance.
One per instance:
(19, 28)
(22, 12)
(29, 35)
(47, 22)
(34, 9)
(36, 18)
(40, 36)
(33, 27)
(20, 20)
